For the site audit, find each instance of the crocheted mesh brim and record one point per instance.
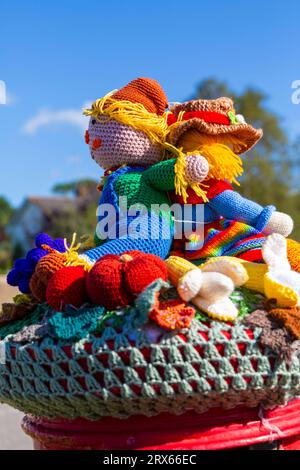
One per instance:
(125, 370)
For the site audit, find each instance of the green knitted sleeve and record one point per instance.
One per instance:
(161, 175)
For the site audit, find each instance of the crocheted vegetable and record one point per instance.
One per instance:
(52, 262)
(67, 287)
(209, 287)
(114, 281)
(23, 269)
(46, 267)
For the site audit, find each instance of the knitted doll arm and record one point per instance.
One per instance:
(233, 206)
(162, 175)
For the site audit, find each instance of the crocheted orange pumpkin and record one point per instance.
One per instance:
(114, 281)
(67, 287)
(44, 270)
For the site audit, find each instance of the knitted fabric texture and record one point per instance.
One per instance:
(293, 250)
(274, 336)
(120, 143)
(234, 239)
(47, 266)
(130, 370)
(138, 186)
(288, 317)
(247, 135)
(114, 281)
(67, 286)
(12, 311)
(146, 91)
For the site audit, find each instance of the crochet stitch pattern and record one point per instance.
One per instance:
(126, 370)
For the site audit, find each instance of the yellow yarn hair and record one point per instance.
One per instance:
(192, 139)
(223, 162)
(180, 182)
(131, 114)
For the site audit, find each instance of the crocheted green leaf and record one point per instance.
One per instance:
(246, 300)
(64, 326)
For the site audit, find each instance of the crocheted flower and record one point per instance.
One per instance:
(172, 314)
(115, 281)
(289, 318)
(24, 268)
(274, 336)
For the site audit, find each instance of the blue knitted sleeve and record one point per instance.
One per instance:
(233, 206)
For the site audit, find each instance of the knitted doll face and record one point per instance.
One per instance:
(112, 144)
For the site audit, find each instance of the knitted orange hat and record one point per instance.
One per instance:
(145, 91)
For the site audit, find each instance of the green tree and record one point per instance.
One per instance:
(270, 165)
(76, 188)
(80, 218)
(6, 211)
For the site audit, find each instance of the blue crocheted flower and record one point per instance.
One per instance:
(23, 268)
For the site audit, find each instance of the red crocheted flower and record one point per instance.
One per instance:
(115, 280)
(173, 314)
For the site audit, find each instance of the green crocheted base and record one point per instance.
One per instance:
(125, 369)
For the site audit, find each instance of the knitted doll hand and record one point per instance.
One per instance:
(279, 223)
(196, 168)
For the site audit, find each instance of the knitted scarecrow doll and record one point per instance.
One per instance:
(233, 225)
(126, 135)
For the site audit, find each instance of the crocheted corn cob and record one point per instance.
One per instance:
(209, 287)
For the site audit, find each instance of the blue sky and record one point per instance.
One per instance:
(56, 56)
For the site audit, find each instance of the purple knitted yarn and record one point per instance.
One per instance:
(24, 268)
(59, 244)
(24, 286)
(43, 239)
(21, 265)
(13, 277)
(33, 256)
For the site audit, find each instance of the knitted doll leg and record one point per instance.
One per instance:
(150, 234)
(293, 252)
(160, 248)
